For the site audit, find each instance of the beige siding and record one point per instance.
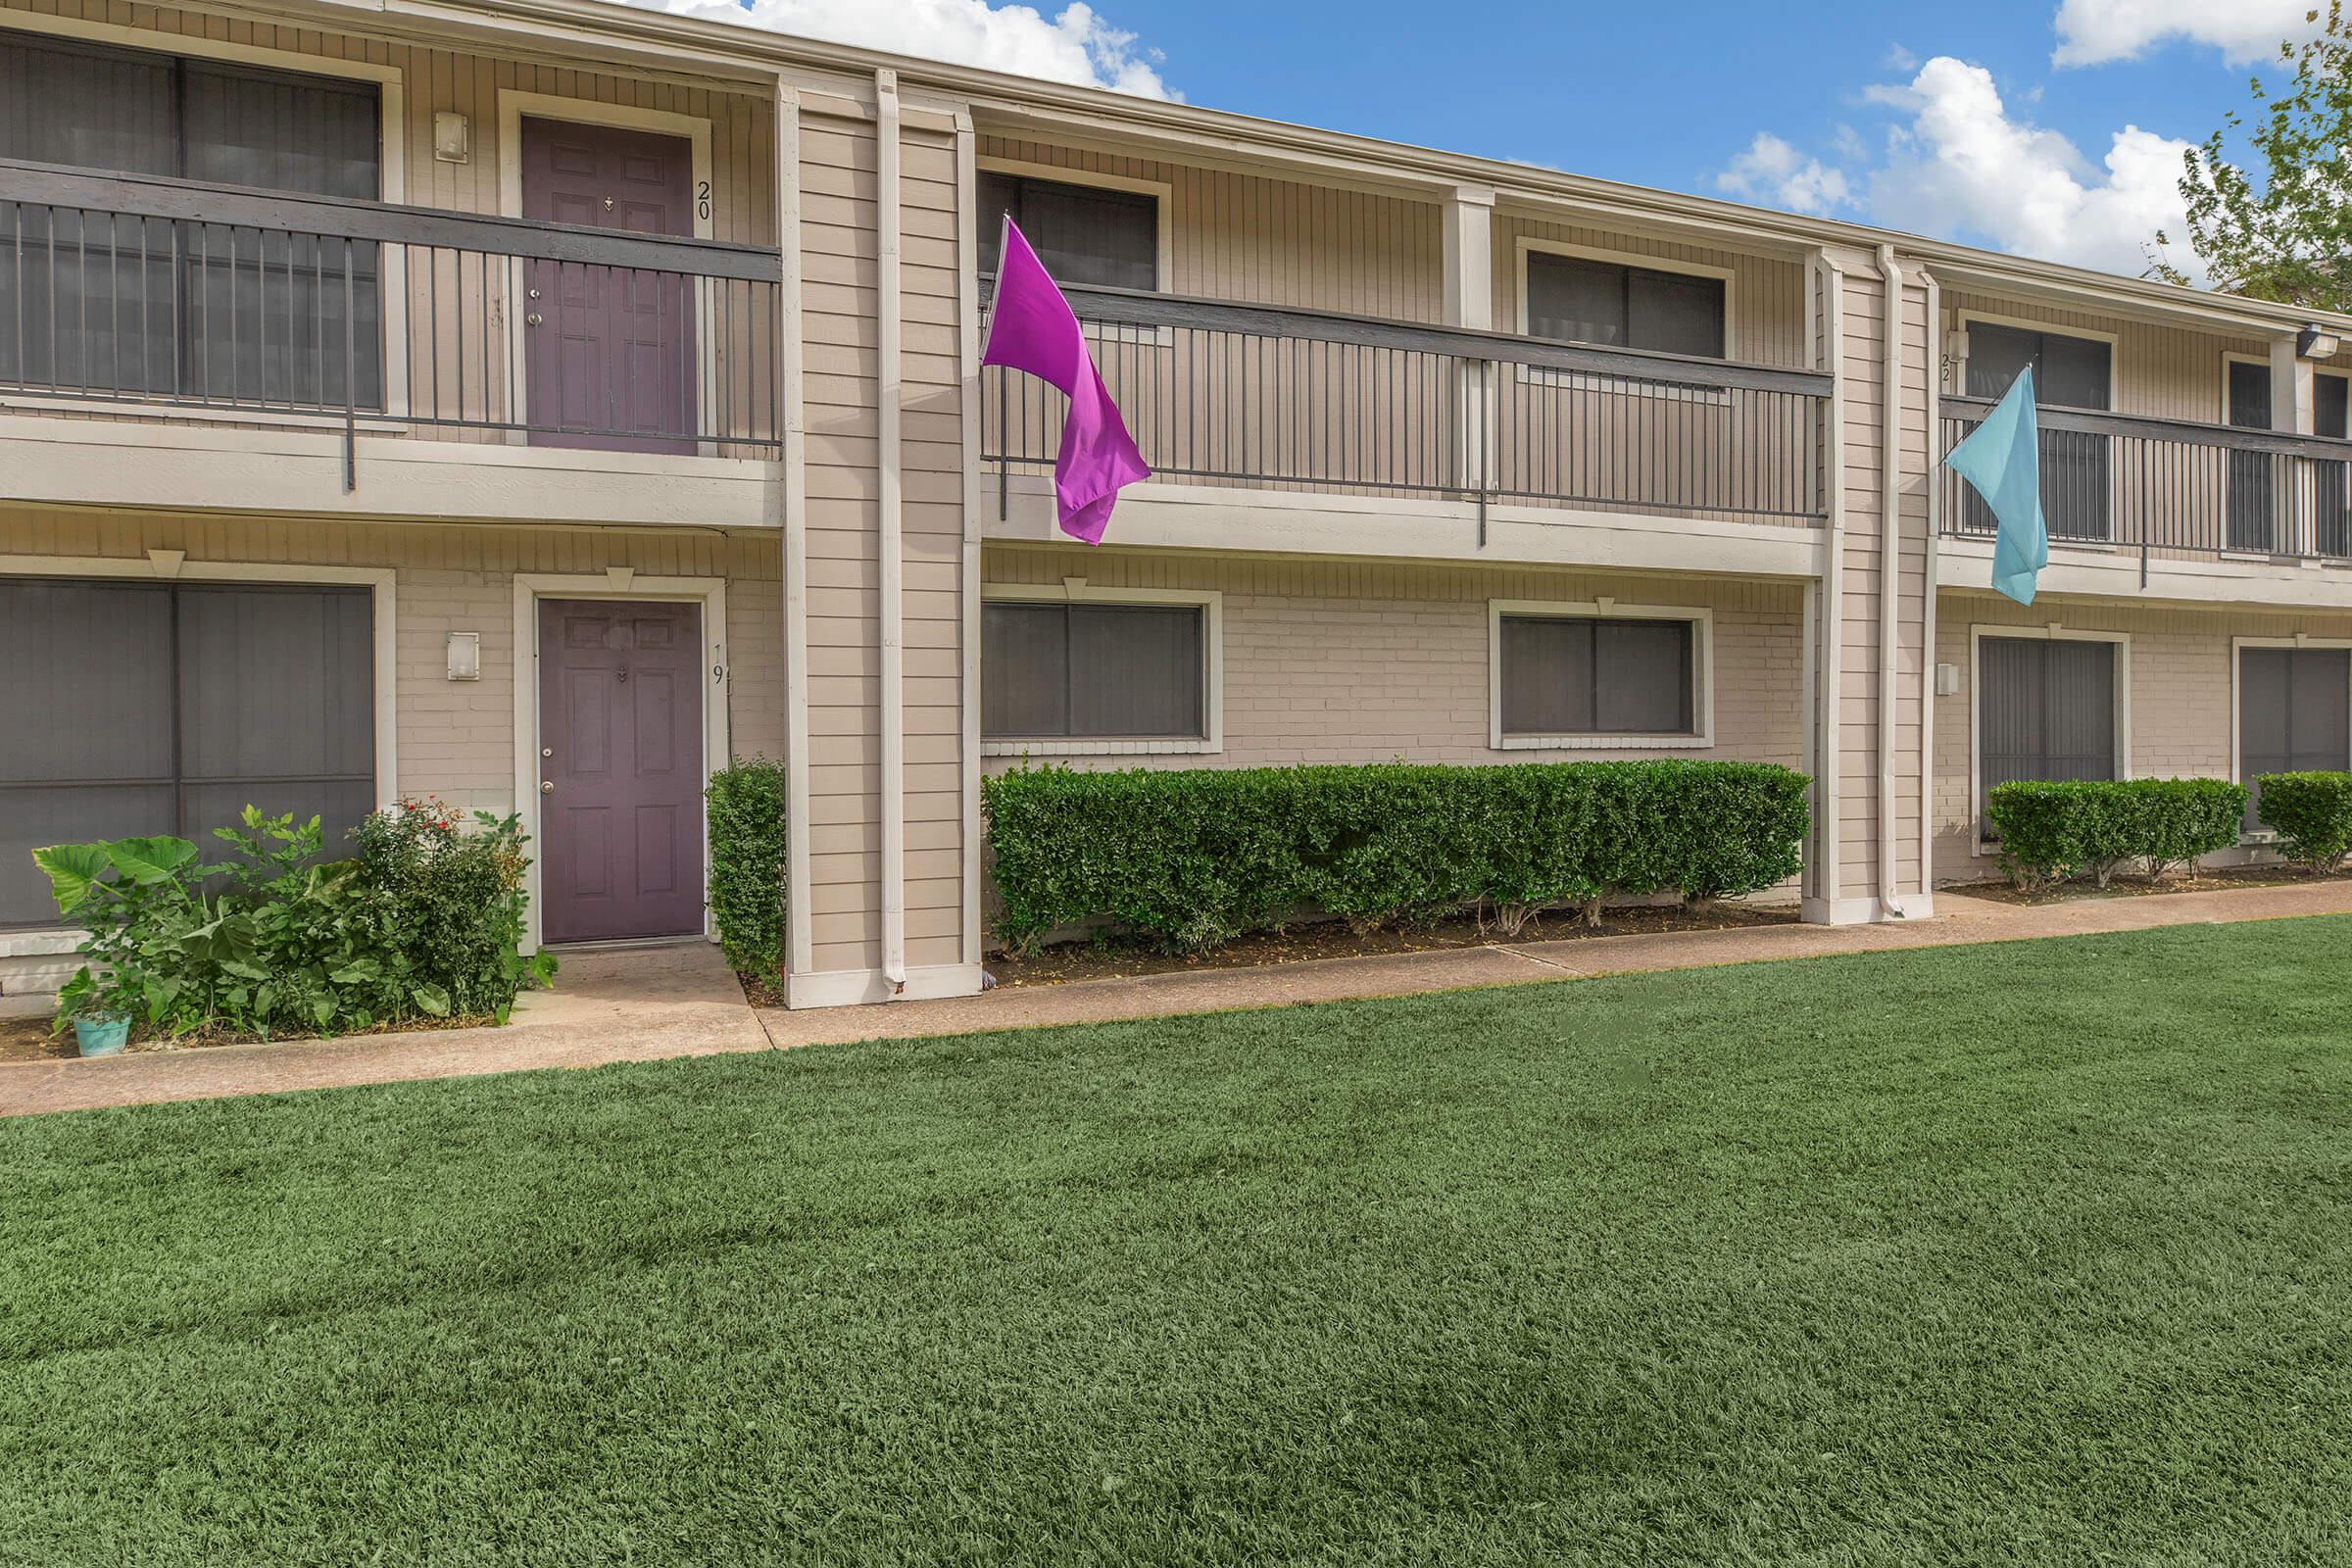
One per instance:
(1338, 662)
(2180, 712)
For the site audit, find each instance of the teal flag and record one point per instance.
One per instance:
(2002, 458)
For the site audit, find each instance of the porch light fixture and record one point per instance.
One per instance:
(2316, 342)
(453, 137)
(465, 655)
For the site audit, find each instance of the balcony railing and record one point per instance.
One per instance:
(130, 289)
(1225, 394)
(2171, 490)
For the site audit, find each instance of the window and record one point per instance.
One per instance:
(1596, 675)
(2071, 372)
(97, 303)
(2045, 709)
(2331, 525)
(1584, 301)
(2294, 712)
(137, 706)
(2251, 482)
(1085, 234)
(1093, 671)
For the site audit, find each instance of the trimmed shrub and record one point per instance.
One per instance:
(2313, 813)
(2051, 830)
(747, 811)
(1192, 858)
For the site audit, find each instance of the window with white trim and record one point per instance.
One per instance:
(1051, 671)
(2045, 709)
(1085, 234)
(1580, 300)
(1597, 676)
(2074, 372)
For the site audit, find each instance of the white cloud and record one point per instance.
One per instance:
(1773, 173)
(1076, 46)
(1963, 166)
(2093, 32)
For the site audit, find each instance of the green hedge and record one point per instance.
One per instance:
(2313, 813)
(747, 805)
(2050, 831)
(1194, 857)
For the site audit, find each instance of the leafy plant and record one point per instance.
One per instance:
(2313, 813)
(425, 921)
(1194, 857)
(747, 805)
(2054, 829)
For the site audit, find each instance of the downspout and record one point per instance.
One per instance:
(967, 274)
(1890, 564)
(793, 499)
(1926, 636)
(889, 546)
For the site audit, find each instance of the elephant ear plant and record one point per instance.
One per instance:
(425, 920)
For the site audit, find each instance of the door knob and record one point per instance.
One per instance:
(547, 786)
(532, 319)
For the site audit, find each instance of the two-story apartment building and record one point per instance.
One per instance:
(538, 401)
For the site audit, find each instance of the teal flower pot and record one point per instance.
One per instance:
(102, 1037)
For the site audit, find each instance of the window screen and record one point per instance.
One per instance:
(1084, 234)
(1581, 300)
(1092, 671)
(2331, 408)
(144, 306)
(2045, 709)
(2294, 714)
(138, 708)
(1567, 675)
(2251, 481)
(2071, 372)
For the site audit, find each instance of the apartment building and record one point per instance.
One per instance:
(536, 403)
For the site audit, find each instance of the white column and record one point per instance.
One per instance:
(1469, 230)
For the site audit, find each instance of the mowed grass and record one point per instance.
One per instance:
(2037, 1253)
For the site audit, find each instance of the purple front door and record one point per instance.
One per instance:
(611, 350)
(620, 727)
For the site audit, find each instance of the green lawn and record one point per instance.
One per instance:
(2037, 1253)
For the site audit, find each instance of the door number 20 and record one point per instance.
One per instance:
(702, 198)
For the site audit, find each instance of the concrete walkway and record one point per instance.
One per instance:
(645, 1004)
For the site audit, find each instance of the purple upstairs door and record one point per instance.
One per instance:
(610, 352)
(621, 803)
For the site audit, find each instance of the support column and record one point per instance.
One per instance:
(1468, 221)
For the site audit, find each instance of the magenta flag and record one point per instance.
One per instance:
(1031, 327)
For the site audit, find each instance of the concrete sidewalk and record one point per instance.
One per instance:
(646, 1003)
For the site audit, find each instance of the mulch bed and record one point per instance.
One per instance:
(29, 1039)
(2134, 887)
(1110, 960)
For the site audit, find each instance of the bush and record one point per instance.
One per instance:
(423, 921)
(2313, 813)
(1194, 857)
(2050, 830)
(747, 811)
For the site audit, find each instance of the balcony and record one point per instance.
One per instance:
(371, 325)
(1271, 399)
(2160, 491)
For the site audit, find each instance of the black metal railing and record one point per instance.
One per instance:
(130, 288)
(2170, 489)
(1254, 395)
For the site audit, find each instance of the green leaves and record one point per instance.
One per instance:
(1192, 858)
(2053, 829)
(73, 871)
(432, 999)
(2313, 813)
(745, 806)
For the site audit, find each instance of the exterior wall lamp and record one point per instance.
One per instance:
(2316, 342)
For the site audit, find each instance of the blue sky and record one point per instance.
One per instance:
(2050, 128)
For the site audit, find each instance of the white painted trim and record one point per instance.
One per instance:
(1929, 597)
(1162, 194)
(1532, 244)
(1077, 591)
(890, 404)
(1702, 674)
(710, 593)
(380, 582)
(967, 343)
(1891, 570)
(1977, 632)
(513, 106)
(1829, 755)
(845, 988)
(792, 498)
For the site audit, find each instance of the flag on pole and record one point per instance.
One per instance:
(1031, 327)
(2002, 458)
